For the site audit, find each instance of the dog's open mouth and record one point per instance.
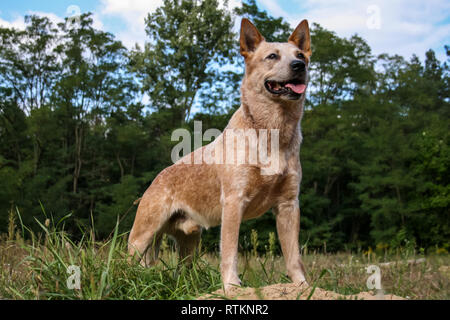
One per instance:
(292, 87)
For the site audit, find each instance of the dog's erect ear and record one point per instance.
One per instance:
(301, 37)
(250, 37)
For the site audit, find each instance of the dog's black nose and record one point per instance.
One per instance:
(298, 66)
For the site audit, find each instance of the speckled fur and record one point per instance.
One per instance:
(184, 198)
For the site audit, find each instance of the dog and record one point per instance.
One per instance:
(187, 197)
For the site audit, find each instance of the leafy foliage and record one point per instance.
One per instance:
(85, 125)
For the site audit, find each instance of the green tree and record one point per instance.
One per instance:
(85, 125)
(186, 39)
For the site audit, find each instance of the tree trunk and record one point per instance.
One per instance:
(78, 162)
(36, 154)
(120, 166)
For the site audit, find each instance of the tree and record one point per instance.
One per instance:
(188, 40)
(85, 125)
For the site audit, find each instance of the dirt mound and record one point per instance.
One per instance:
(291, 291)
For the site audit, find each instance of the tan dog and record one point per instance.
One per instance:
(186, 197)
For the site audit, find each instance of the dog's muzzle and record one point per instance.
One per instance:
(298, 66)
(293, 88)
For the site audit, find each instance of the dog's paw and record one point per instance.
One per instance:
(304, 283)
(300, 281)
(231, 287)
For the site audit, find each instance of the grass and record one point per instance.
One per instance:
(37, 269)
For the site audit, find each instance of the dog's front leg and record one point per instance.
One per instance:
(288, 228)
(231, 219)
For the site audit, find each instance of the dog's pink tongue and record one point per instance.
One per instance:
(297, 88)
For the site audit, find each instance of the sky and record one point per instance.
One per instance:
(400, 27)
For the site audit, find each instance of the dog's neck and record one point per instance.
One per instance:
(257, 111)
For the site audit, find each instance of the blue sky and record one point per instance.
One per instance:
(396, 27)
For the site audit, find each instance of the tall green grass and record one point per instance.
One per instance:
(41, 272)
(37, 268)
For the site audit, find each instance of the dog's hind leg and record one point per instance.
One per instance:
(151, 254)
(144, 247)
(145, 236)
(187, 234)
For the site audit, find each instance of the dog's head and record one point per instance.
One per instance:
(280, 70)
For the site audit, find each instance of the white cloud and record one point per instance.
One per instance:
(51, 16)
(17, 23)
(133, 13)
(273, 8)
(406, 26)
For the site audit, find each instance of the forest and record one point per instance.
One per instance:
(86, 124)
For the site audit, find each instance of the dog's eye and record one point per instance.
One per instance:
(300, 55)
(272, 56)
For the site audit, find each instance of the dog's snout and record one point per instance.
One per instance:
(298, 66)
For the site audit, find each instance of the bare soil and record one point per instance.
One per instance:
(291, 291)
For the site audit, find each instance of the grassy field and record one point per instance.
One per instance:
(37, 269)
